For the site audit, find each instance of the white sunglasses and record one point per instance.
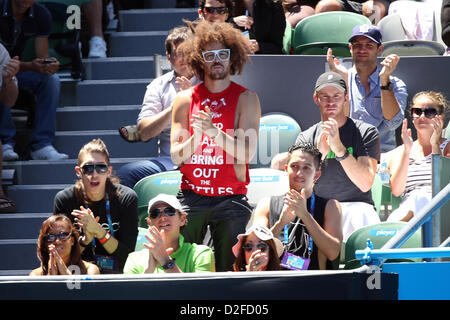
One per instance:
(222, 54)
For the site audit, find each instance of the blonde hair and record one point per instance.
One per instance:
(436, 97)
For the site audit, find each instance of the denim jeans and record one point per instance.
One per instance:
(132, 172)
(46, 88)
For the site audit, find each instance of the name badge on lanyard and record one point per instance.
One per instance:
(292, 261)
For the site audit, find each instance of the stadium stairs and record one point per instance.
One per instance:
(109, 97)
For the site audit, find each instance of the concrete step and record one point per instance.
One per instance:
(96, 117)
(34, 198)
(118, 68)
(111, 92)
(18, 254)
(21, 225)
(70, 142)
(36, 172)
(155, 19)
(137, 43)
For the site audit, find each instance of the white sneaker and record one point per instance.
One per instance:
(9, 154)
(48, 153)
(97, 48)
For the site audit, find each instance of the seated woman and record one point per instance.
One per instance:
(410, 163)
(257, 250)
(105, 211)
(58, 249)
(309, 225)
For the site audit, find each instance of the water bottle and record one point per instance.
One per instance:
(383, 172)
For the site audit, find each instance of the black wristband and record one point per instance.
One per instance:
(346, 154)
(170, 264)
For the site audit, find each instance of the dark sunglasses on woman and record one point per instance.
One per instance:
(61, 236)
(261, 246)
(101, 168)
(429, 112)
(156, 213)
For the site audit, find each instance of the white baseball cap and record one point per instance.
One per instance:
(167, 199)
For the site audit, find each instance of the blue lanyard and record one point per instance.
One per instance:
(108, 217)
(286, 228)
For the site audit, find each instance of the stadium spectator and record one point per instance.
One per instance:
(156, 113)
(213, 144)
(374, 10)
(93, 10)
(297, 10)
(375, 96)
(351, 149)
(105, 211)
(215, 10)
(410, 163)
(300, 216)
(19, 21)
(257, 250)
(166, 250)
(59, 249)
(8, 95)
(265, 22)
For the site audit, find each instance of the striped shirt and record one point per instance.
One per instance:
(419, 174)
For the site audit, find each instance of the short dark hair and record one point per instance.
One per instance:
(308, 148)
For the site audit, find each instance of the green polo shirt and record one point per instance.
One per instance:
(190, 257)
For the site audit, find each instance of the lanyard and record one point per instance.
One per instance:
(286, 231)
(108, 217)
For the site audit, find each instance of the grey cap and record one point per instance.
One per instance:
(332, 79)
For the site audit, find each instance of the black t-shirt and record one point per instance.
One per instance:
(298, 233)
(37, 22)
(124, 217)
(361, 139)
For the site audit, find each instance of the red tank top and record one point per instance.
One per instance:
(210, 170)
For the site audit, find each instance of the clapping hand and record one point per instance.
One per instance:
(56, 265)
(258, 261)
(335, 65)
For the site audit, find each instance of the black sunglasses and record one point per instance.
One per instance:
(218, 10)
(101, 168)
(61, 236)
(261, 246)
(429, 112)
(156, 213)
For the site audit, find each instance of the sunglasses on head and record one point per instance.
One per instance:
(156, 213)
(222, 54)
(261, 246)
(61, 236)
(429, 112)
(218, 10)
(101, 168)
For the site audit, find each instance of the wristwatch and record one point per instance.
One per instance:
(346, 154)
(170, 264)
(389, 86)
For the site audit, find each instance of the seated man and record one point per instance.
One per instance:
(8, 95)
(166, 250)
(351, 149)
(375, 96)
(310, 225)
(156, 113)
(374, 10)
(20, 21)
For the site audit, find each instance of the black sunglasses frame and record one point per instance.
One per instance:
(63, 236)
(156, 213)
(218, 10)
(261, 246)
(88, 169)
(430, 113)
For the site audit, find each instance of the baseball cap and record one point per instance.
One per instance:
(368, 31)
(332, 79)
(262, 233)
(167, 199)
